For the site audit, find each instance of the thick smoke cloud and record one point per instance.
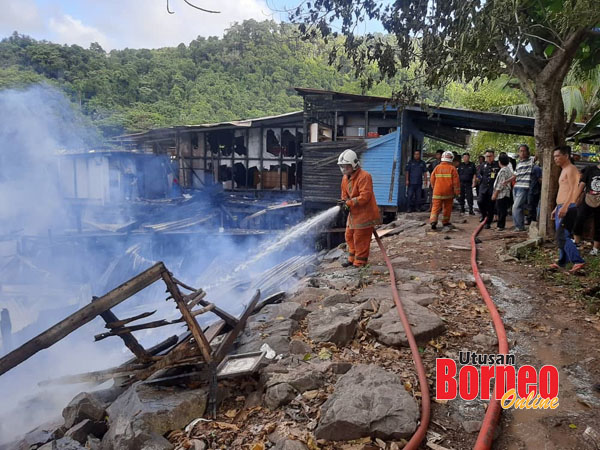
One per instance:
(48, 270)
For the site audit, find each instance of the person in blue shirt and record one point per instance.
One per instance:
(416, 181)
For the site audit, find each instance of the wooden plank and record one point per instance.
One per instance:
(225, 346)
(97, 376)
(228, 318)
(79, 318)
(130, 341)
(214, 330)
(195, 300)
(122, 322)
(126, 331)
(183, 350)
(193, 326)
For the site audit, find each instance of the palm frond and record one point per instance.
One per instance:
(523, 109)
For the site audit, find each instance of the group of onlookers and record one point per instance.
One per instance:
(506, 186)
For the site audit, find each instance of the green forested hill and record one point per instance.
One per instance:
(249, 72)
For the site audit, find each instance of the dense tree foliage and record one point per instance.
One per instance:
(534, 41)
(250, 72)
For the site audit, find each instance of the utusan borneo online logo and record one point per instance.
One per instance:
(496, 375)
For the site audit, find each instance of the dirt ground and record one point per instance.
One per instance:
(546, 319)
(545, 323)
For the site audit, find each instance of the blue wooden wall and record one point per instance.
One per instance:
(383, 160)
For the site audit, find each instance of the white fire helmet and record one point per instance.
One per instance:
(348, 157)
(447, 157)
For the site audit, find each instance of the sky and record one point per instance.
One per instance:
(117, 24)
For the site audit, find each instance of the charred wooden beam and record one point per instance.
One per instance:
(270, 300)
(196, 299)
(228, 318)
(225, 346)
(190, 320)
(125, 331)
(130, 342)
(164, 345)
(183, 350)
(97, 376)
(81, 317)
(122, 322)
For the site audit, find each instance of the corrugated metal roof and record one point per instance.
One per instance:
(245, 123)
(382, 161)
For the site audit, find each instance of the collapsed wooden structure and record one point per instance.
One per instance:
(203, 350)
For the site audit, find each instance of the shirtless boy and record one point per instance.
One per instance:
(566, 210)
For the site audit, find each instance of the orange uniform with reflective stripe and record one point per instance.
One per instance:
(364, 215)
(446, 184)
(360, 198)
(445, 181)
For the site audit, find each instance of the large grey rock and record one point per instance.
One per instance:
(298, 347)
(144, 412)
(40, 435)
(311, 295)
(368, 401)
(381, 291)
(64, 443)
(335, 324)
(274, 332)
(279, 394)
(416, 275)
(290, 444)
(424, 299)
(84, 406)
(388, 328)
(285, 310)
(521, 249)
(82, 430)
(93, 443)
(274, 325)
(302, 379)
(334, 299)
(334, 255)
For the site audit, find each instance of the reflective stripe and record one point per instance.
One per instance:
(443, 197)
(355, 200)
(443, 175)
(358, 258)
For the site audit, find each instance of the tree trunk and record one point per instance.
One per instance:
(549, 132)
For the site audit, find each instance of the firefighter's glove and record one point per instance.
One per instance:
(343, 205)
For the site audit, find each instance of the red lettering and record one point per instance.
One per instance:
(445, 383)
(505, 380)
(487, 373)
(526, 381)
(468, 380)
(548, 382)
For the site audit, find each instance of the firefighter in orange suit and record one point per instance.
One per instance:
(358, 197)
(446, 185)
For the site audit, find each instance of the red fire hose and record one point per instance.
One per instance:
(416, 439)
(492, 415)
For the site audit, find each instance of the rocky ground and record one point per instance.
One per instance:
(344, 377)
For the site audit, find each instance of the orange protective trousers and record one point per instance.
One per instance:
(443, 205)
(359, 244)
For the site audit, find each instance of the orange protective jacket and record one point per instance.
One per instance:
(445, 181)
(360, 198)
